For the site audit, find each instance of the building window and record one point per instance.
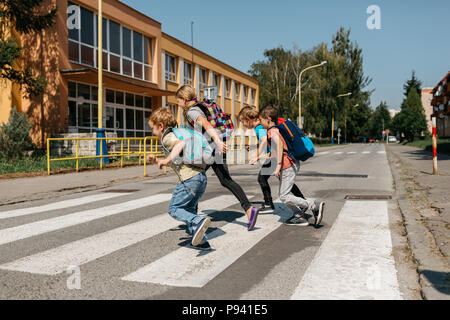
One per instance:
(216, 82)
(245, 94)
(253, 92)
(203, 78)
(125, 51)
(171, 70)
(227, 88)
(237, 92)
(125, 113)
(187, 73)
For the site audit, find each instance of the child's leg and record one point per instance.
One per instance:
(287, 181)
(263, 180)
(185, 199)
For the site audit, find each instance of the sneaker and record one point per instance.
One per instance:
(267, 208)
(253, 216)
(318, 212)
(297, 221)
(205, 246)
(199, 231)
(301, 212)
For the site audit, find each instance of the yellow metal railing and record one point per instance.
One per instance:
(237, 143)
(143, 152)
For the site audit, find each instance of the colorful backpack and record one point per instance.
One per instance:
(197, 151)
(215, 115)
(300, 147)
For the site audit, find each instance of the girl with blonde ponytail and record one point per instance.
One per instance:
(187, 99)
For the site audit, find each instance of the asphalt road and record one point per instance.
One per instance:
(120, 243)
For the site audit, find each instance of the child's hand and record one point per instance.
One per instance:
(254, 160)
(221, 146)
(277, 172)
(162, 163)
(151, 158)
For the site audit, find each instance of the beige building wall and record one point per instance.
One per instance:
(427, 96)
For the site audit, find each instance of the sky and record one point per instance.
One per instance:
(414, 35)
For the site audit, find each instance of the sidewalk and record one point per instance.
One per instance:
(424, 201)
(41, 187)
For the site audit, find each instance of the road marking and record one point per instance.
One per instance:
(48, 225)
(325, 152)
(58, 205)
(366, 152)
(187, 267)
(57, 260)
(351, 152)
(355, 261)
(338, 153)
(382, 152)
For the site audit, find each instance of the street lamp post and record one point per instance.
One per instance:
(332, 116)
(300, 92)
(101, 133)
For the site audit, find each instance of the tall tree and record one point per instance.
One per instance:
(380, 120)
(413, 83)
(20, 17)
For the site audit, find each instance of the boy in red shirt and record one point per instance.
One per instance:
(286, 172)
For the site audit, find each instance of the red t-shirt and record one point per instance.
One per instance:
(287, 160)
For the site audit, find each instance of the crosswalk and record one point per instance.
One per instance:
(350, 152)
(182, 267)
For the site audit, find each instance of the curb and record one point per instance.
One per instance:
(431, 268)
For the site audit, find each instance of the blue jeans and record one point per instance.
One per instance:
(185, 197)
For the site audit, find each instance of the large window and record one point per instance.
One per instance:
(245, 94)
(125, 51)
(227, 88)
(216, 82)
(237, 91)
(252, 95)
(124, 113)
(203, 78)
(171, 68)
(188, 73)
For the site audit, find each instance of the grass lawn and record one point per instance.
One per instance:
(443, 145)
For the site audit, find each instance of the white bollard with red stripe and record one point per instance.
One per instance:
(435, 168)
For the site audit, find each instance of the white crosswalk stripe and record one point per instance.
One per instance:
(57, 260)
(338, 153)
(186, 268)
(59, 205)
(355, 261)
(40, 227)
(366, 152)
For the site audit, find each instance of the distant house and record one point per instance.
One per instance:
(441, 106)
(427, 97)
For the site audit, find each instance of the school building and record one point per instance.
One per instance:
(441, 106)
(142, 69)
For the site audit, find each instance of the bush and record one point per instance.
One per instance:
(15, 137)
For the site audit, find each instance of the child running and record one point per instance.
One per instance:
(187, 99)
(249, 117)
(192, 185)
(286, 171)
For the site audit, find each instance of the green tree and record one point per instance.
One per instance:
(411, 120)
(413, 83)
(380, 120)
(21, 17)
(14, 136)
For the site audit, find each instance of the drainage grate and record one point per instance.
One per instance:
(368, 197)
(121, 191)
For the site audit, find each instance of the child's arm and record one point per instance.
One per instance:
(279, 153)
(213, 134)
(176, 151)
(261, 155)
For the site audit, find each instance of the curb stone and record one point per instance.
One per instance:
(431, 267)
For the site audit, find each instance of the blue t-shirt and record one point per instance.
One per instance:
(260, 133)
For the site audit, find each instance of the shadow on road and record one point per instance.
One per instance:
(439, 280)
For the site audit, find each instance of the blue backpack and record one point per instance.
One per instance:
(197, 151)
(300, 147)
